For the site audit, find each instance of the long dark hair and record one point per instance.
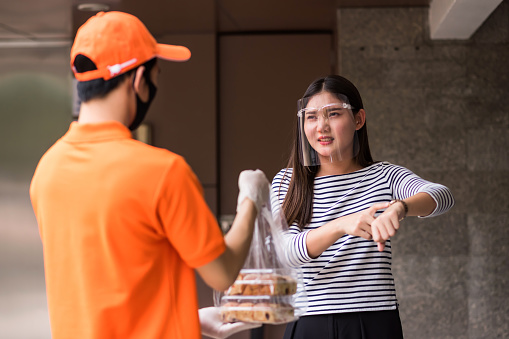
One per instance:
(298, 203)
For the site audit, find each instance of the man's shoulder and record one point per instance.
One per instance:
(162, 157)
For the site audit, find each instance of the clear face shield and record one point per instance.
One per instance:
(326, 133)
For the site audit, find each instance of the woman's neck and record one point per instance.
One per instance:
(338, 167)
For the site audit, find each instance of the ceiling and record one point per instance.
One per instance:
(52, 22)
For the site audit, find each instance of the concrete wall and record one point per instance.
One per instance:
(440, 108)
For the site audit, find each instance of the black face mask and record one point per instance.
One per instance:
(142, 107)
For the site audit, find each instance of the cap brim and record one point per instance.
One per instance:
(173, 53)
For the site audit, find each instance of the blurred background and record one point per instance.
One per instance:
(434, 78)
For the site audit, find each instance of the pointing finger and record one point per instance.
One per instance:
(378, 206)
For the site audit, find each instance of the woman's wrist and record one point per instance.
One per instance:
(405, 207)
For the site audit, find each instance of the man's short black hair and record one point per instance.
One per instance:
(99, 88)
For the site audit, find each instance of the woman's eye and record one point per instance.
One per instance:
(310, 117)
(334, 113)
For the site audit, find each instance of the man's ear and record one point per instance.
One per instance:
(139, 83)
(360, 119)
(138, 77)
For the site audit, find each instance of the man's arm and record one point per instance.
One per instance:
(253, 193)
(222, 272)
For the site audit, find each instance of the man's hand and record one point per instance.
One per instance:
(212, 325)
(254, 186)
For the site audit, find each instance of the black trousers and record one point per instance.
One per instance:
(355, 325)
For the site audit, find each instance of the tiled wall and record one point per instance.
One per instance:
(441, 109)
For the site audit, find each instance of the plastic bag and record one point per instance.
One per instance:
(267, 288)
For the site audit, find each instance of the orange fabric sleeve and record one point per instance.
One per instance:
(186, 218)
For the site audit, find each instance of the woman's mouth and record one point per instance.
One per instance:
(325, 140)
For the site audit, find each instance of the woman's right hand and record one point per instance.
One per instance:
(357, 224)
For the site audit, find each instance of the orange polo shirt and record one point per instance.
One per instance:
(122, 225)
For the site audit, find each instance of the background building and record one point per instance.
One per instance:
(438, 106)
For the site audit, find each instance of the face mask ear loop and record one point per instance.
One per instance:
(143, 106)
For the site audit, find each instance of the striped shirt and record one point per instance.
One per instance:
(351, 275)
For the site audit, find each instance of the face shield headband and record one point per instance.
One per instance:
(326, 133)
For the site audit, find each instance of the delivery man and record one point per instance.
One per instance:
(124, 225)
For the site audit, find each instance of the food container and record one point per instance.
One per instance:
(263, 296)
(268, 289)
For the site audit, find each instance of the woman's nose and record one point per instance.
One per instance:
(323, 123)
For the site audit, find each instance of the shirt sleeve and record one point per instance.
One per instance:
(405, 183)
(186, 218)
(294, 239)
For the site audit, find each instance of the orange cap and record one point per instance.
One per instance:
(117, 42)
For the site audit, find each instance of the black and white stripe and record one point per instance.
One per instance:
(351, 275)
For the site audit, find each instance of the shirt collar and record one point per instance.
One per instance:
(102, 131)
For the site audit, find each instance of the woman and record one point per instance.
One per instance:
(342, 208)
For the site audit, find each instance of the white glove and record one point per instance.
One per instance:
(254, 186)
(212, 325)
